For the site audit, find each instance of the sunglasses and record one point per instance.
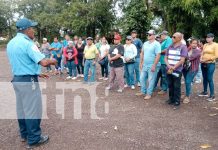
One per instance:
(174, 37)
(149, 34)
(128, 39)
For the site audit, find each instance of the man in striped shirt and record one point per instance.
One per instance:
(175, 58)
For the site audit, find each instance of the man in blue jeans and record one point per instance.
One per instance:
(166, 42)
(138, 43)
(90, 54)
(149, 64)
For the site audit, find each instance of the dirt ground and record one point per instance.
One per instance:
(131, 123)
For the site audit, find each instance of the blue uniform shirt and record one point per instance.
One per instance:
(24, 56)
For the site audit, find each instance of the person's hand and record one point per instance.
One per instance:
(127, 59)
(45, 76)
(141, 66)
(93, 63)
(153, 68)
(109, 58)
(203, 60)
(53, 61)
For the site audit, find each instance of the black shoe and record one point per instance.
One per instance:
(43, 140)
(211, 99)
(203, 94)
(169, 102)
(176, 104)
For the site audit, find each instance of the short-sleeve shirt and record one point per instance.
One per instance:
(164, 45)
(103, 48)
(138, 43)
(57, 45)
(151, 50)
(24, 55)
(90, 52)
(175, 54)
(113, 51)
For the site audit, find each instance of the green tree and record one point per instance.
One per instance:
(137, 16)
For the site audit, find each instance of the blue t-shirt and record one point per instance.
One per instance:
(150, 52)
(58, 46)
(138, 43)
(164, 45)
(24, 56)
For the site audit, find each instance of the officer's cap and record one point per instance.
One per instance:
(25, 23)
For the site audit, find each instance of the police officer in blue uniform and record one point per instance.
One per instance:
(26, 61)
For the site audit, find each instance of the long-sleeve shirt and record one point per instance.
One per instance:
(130, 51)
(210, 52)
(194, 57)
(71, 54)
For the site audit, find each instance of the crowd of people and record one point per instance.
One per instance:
(161, 59)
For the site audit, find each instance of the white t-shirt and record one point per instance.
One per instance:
(103, 48)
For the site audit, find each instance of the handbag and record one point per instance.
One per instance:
(130, 61)
(187, 65)
(102, 61)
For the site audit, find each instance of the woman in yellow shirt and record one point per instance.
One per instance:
(208, 60)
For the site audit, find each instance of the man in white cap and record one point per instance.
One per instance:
(149, 64)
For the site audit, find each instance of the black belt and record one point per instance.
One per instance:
(90, 59)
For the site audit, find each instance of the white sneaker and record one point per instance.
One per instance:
(108, 88)
(198, 81)
(126, 86)
(74, 78)
(120, 91)
(105, 79)
(133, 87)
(69, 77)
(139, 85)
(101, 78)
(82, 76)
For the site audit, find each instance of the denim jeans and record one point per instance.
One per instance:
(80, 66)
(129, 74)
(174, 84)
(163, 75)
(89, 66)
(137, 71)
(189, 77)
(72, 68)
(208, 72)
(104, 69)
(48, 67)
(58, 66)
(199, 73)
(148, 75)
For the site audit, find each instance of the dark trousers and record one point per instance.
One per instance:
(80, 66)
(208, 72)
(162, 74)
(29, 107)
(174, 85)
(104, 70)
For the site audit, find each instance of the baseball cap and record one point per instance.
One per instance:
(89, 38)
(44, 39)
(151, 32)
(70, 42)
(134, 31)
(210, 35)
(164, 33)
(129, 37)
(117, 37)
(25, 23)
